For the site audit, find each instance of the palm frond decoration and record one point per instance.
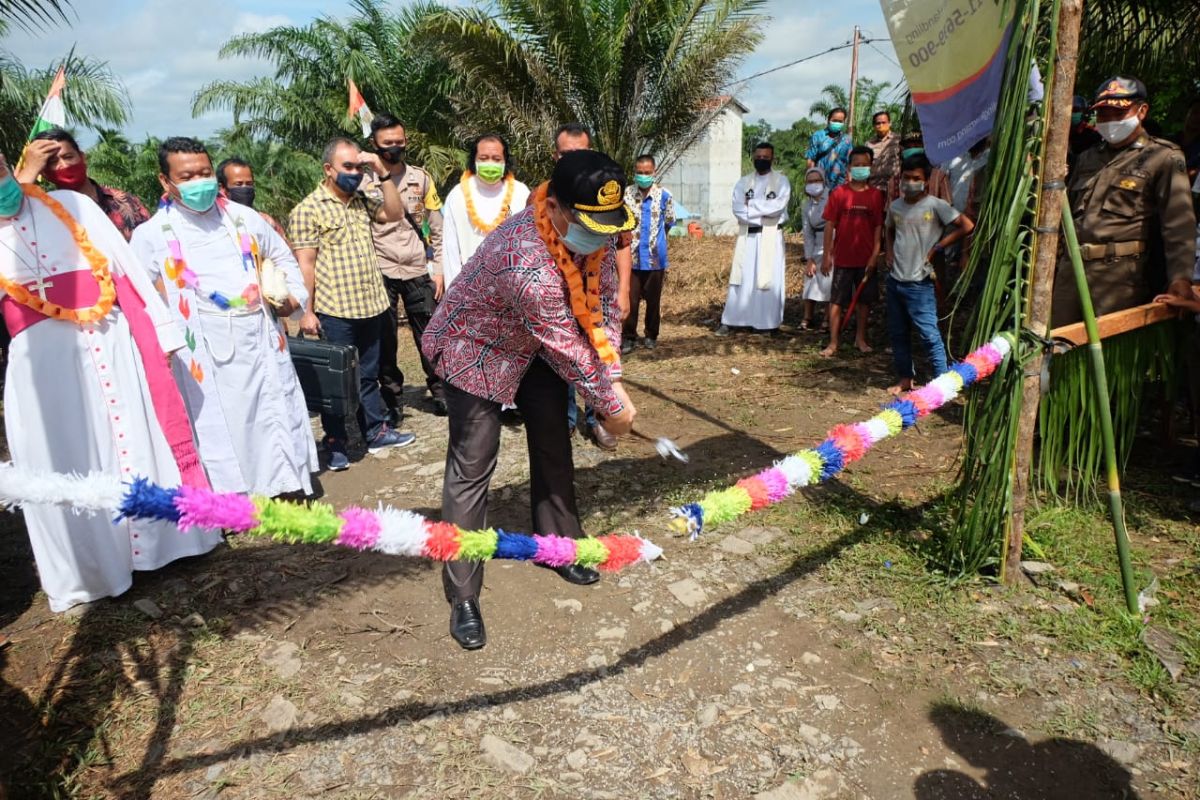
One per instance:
(1004, 242)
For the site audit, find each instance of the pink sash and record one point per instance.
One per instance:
(78, 289)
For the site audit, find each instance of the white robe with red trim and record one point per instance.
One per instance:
(76, 401)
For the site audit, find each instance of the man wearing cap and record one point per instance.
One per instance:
(1130, 199)
(535, 307)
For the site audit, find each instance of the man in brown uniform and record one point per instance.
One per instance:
(404, 255)
(1130, 198)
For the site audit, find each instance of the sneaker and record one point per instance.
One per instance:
(387, 438)
(627, 347)
(338, 461)
(649, 344)
(724, 330)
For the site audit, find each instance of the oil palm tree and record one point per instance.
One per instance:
(641, 75)
(94, 96)
(35, 13)
(304, 103)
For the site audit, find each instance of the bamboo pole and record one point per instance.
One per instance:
(1041, 279)
(1100, 386)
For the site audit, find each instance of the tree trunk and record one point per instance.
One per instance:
(1041, 279)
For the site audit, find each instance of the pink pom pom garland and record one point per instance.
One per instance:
(844, 445)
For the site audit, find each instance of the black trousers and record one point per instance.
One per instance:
(471, 460)
(416, 297)
(644, 284)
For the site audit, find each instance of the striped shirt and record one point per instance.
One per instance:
(348, 282)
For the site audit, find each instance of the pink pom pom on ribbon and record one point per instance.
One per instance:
(203, 508)
(360, 528)
(776, 483)
(847, 439)
(554, 551)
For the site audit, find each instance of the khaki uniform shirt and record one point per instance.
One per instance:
(1127, 197)
(401, 253)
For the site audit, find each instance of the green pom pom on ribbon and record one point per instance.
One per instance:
(590, 552)
(293, 523)
(815, 464)
(893, 420)
(477, 545)
(725, 505)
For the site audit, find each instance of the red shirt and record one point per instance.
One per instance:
(509, 306)
(858, 217)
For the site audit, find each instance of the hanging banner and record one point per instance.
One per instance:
(952, 53)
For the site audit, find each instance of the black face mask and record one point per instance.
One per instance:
(392, 155)
(762, 165)
(243, 195)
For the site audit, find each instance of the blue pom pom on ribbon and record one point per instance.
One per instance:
(967, 372)
(833, 460)
(907, 411)
(515, 546)
(220, 301)
(145, 500)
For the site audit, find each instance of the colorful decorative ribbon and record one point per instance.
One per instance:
(384, 530)
(843, 445)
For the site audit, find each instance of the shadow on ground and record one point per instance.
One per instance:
(1014, 767)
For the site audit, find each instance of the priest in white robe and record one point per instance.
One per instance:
(756, 279)
(217, 262)
(487, 195)
(88, 389)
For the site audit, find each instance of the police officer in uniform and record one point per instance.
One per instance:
(407, 255)
(1133, 211)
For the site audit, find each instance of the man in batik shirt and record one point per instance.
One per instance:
(535, 307)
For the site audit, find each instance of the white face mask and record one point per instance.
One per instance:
(1119, 131)
(814, 189)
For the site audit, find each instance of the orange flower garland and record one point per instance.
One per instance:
(585, 302)
(487, 227)
(95, 259)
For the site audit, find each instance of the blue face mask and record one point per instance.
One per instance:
(10, 196)
(836, 127)
(581, 241)
(348, 181)
(199, 194)
(860, 173)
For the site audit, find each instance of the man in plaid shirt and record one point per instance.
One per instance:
(331, 236)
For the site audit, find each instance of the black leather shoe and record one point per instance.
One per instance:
(466, 625)
(439, 407)
(580, 576)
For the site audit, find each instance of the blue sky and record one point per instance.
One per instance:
(165, 50)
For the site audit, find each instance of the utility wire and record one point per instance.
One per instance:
(833, 49)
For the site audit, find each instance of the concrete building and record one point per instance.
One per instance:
(702, 179)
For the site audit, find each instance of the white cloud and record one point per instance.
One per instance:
(164, 52)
